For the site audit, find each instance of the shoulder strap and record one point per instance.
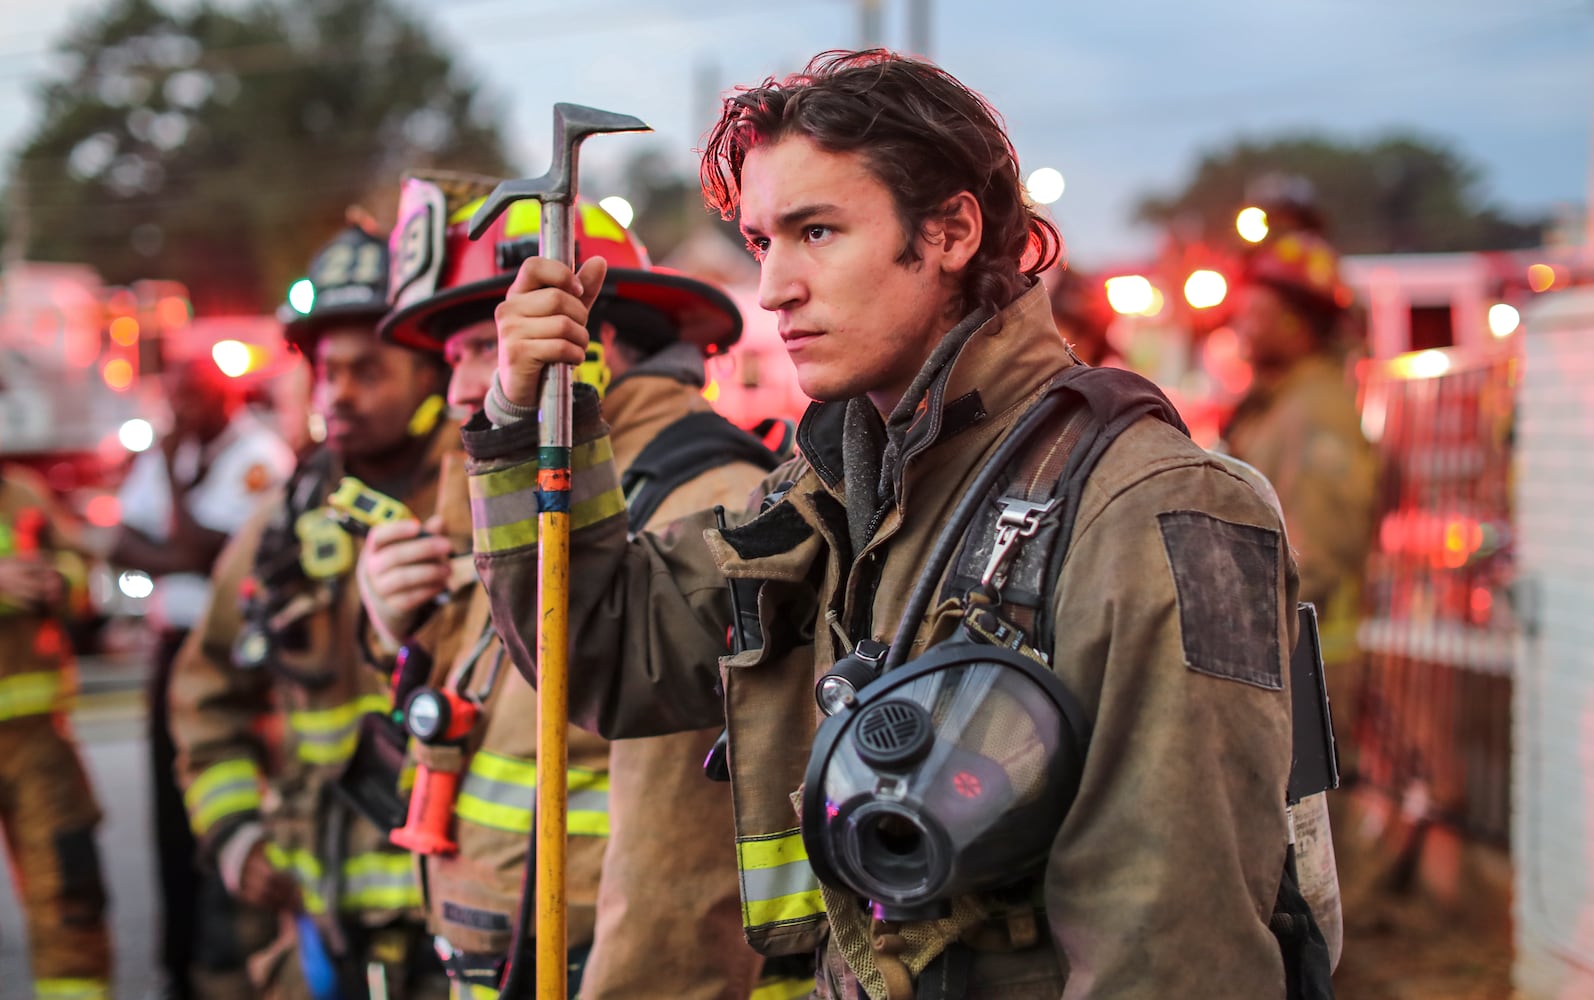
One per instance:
(1053, 470)
(680, 453)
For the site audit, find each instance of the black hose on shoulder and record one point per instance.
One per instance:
(957, 525)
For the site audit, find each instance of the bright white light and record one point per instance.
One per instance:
(1503, 319)
(135, 583)
(1129, 294)
(232, 357)
(1251, 224)
(1205, 289)
(1045, 186)
(1430, 364)
(301, 296)
(619, 208)
(136, 434)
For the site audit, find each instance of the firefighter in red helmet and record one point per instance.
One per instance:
(637, 808)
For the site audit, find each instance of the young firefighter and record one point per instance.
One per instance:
(652, 871)
(280, 650)
(955, 836)
(47, 808)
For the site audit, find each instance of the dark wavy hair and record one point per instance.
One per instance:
(921, 133)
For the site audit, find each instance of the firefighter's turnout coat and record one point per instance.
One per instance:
(47, 808)
(651, 865)
(1174, 613)
(259, 748)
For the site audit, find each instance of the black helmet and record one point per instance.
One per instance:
(347, 282)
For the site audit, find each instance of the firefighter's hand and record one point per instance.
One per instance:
(543, 321)
(401, 570)
(264, 885)
(29, 583)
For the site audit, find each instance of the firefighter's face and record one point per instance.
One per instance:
(1271, 334)
(472, 354)
(201, 404)
(367, 390)
(854, 319)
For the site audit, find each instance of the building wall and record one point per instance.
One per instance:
(1553, 826)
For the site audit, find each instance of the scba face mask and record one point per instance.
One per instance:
(948, 775)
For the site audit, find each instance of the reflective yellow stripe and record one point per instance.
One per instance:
(499, 790)
(504, 511)
(518, 534)
(778, 885)
(39, 693)
(502, 482)
(376, 880)
(471, 991)
(327, 735)
(71, 989)
(222, 790)
(586, 457)
(504, 537)
(306, 871)
(776, 988)
(586, 513)
(379, 880)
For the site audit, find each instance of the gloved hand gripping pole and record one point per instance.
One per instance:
(556, 190)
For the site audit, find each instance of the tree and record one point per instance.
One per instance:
(220, 145)
(1398, 194)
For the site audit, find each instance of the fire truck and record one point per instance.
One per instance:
(81, 393)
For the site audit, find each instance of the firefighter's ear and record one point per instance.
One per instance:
(956, 231)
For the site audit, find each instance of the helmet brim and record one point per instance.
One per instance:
(302, 332)
(704, 316)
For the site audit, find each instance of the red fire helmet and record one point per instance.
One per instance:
(1302, 264)
(441, 280)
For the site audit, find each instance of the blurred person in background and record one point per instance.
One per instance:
(653, 883)
(269, 690)
(1299, 425)
(180, 502)
(1082, 315)
(47, 807)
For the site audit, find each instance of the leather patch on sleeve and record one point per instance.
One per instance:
(1225, 576)
(779, 529)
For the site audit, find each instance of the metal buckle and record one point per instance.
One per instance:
(1018, 519)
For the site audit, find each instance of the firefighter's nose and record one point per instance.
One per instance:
(780, 286)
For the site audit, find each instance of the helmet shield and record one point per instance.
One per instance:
(948, 775)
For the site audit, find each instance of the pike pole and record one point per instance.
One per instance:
(556, 190)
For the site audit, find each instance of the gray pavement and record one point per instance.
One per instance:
(110, 727)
